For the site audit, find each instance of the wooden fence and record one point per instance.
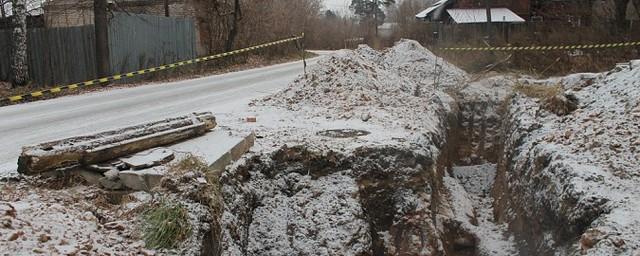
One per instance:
(67, 55)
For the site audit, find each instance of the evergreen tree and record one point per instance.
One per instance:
(370, 11)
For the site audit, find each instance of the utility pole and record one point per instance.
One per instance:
(489, 32)
(101, 21)
(166, 8)
(19, 66)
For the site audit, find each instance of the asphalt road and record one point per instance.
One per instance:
(42, 121)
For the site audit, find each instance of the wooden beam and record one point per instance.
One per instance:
(86, 150)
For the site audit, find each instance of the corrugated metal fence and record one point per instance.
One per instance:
(67, 55)
(56, 55)
(143, 41)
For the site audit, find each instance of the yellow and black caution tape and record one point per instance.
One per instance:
(58, 89)
(543, 48)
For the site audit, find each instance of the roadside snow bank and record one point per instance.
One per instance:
(571, 184)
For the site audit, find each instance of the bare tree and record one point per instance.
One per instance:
(621, 14)
(3, 12)
(233, 30)
(19, 67)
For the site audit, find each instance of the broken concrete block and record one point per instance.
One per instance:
(87, 150)
(111, 184)
(149, 158)
(234, 153)
(91, 176)
(108, 180)
(145, 179)
(112, 174)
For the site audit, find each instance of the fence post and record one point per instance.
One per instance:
(101, 22)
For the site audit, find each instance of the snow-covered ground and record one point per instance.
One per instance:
(579, 170)
(560, 185)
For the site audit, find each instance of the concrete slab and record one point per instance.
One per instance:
(218, 146)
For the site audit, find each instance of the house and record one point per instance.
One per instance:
(576, 12)
(474, 11)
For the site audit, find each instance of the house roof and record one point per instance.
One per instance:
(466, 16)
(434, 11)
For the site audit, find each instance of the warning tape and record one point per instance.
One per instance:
(58, 89)
(543, 48)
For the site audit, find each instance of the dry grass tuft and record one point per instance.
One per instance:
(539, 91)
(189, 163)
(553, 98)
(165, 225)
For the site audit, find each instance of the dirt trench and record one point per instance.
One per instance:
(392, 200)
(380, 200)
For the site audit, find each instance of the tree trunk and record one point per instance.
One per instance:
(102, 38)
(621, 15)
(636, 6)
(233, 31)
(19, 67)
(3, 12)
(166, 8)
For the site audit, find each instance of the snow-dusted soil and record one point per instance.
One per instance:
(67, 216)
(370, 194)
(470, 189)
(570, 184)
(37, 220)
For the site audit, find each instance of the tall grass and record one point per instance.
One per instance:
(165, 225)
